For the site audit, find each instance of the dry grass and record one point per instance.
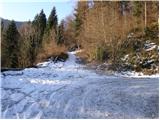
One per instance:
(50, 49)
(83, 55)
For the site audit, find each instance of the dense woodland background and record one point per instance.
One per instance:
(115, 32)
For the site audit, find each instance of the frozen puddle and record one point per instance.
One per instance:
(66, 90)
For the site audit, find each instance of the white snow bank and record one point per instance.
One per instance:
(151, 48)
(74, 52)
(148, 46)
(134, 74)
(49, 82)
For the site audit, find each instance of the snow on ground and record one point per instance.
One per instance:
(148, 46)
(67, 90)
(133, 74)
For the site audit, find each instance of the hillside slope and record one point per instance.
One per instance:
(6, 23)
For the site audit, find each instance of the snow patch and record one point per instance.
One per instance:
(133, 74)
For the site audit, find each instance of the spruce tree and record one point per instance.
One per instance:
(82, 6)
(52, 25)
(60, 34)
(39, 25)
(12, 40)
(3, 46)
(80, 14)
(53, 20)
(42, 21)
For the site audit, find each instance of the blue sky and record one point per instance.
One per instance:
(24, 11)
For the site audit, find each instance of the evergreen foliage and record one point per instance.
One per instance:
(60, 34)
(11, 48)
(53, 20)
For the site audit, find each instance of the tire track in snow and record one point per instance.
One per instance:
(76, 94)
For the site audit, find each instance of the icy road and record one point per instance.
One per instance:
(67, 90)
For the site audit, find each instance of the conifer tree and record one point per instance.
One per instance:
(52, 25)
(82, 6)
(60, 34)
(3, 46)
(12, 45)
(53, 20)
(42, 20)
(39, 25)
(80, 14)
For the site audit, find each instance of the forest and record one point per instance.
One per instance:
(99, 62)
(123, 34)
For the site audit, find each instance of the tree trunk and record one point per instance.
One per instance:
(145, 9)
(104, 32)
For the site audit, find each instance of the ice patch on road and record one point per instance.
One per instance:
(17, 96)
